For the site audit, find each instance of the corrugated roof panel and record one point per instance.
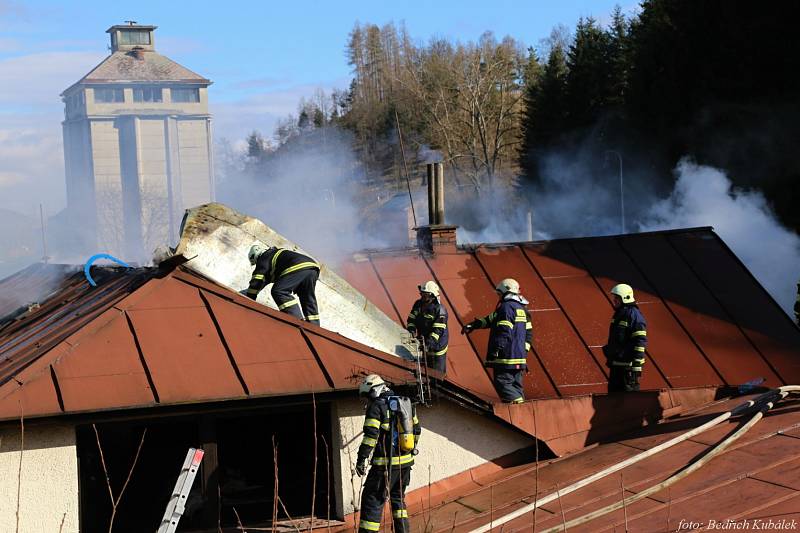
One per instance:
(117, 379)
(769, 328)
(362, 276)
(720, 340)
(181, 346)
(271, 355)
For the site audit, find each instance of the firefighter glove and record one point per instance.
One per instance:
(467, 329)
(361, 467)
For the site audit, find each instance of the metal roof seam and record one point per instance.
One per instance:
(313, 350)
(224, 342)
(722, 306)
(388, 294)
(57, 388)
(621, 241)
(142, 360)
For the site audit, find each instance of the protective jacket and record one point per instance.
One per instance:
(274, 264)
(627, 338)
(382, 428)
(429, 321)
(511, 333)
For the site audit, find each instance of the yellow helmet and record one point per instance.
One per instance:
(508, 285)
(369, 383)
(625, 293)
(429, 287)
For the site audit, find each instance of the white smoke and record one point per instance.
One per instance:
(704, 196)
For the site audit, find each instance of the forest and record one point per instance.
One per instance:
(712, 81)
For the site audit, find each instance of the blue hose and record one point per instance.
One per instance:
(94, 258)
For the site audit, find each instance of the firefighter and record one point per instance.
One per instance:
(391, 433)
(427, 321)
(294, 278)
(627, 341)
(509, 340)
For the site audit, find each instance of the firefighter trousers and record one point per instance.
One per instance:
(508, 383)
(382, 482)
(295, 292)
(437, 362)
(623, 379)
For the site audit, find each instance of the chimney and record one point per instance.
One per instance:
(436, 236)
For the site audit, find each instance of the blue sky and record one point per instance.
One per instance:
(262, 56)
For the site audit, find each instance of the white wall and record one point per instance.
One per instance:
(49, 481)
(453, 440)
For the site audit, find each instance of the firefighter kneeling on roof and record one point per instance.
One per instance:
(391, 433)
(294, 278)
(627, 341)
(509, 340)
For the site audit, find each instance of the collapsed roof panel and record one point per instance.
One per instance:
(216, 240)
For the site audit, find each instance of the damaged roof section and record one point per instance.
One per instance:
(709, 321)
(145, 337)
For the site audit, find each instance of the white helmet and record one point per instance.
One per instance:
(625, 292)
(508, 285)
(429, 287)
(255, 251)
(371, 382)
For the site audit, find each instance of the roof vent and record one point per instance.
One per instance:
(138, 52)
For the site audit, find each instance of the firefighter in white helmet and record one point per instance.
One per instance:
(627, 341)
(509, 341)
(391, 433)
(427, 321)
(294, 278)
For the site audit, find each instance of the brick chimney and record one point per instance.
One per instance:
(436, 236)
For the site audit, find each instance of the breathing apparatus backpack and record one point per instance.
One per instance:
(403, 431)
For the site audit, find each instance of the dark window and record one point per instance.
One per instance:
(185, 95)
(134, 37)
(108, 95)
(147, 94)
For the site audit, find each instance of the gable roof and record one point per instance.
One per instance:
(147, 337)
(709, 321)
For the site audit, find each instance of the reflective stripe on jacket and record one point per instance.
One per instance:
(429, 322)
(511, 334)
(380, 438)
(273, 264)
(627, 338)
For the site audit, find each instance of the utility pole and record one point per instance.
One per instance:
(621, 189)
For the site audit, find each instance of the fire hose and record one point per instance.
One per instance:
(763, 402)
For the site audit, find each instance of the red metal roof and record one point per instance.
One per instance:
(709, 320)
(758, 477)
(147, 337)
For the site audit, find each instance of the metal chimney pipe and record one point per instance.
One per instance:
(439, 193)
(431, 168)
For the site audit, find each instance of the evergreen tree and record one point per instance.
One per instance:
(532, 79)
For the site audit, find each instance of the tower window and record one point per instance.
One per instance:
(186, 95)
(147, 94)
(108, 95)
(134, 37)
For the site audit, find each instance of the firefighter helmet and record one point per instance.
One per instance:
(625, 293)
(508, 285)
(430, 287)
(370, 382)
(255, 251)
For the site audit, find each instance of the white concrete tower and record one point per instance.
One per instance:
(137, 146)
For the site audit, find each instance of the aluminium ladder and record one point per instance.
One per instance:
(177, 502)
